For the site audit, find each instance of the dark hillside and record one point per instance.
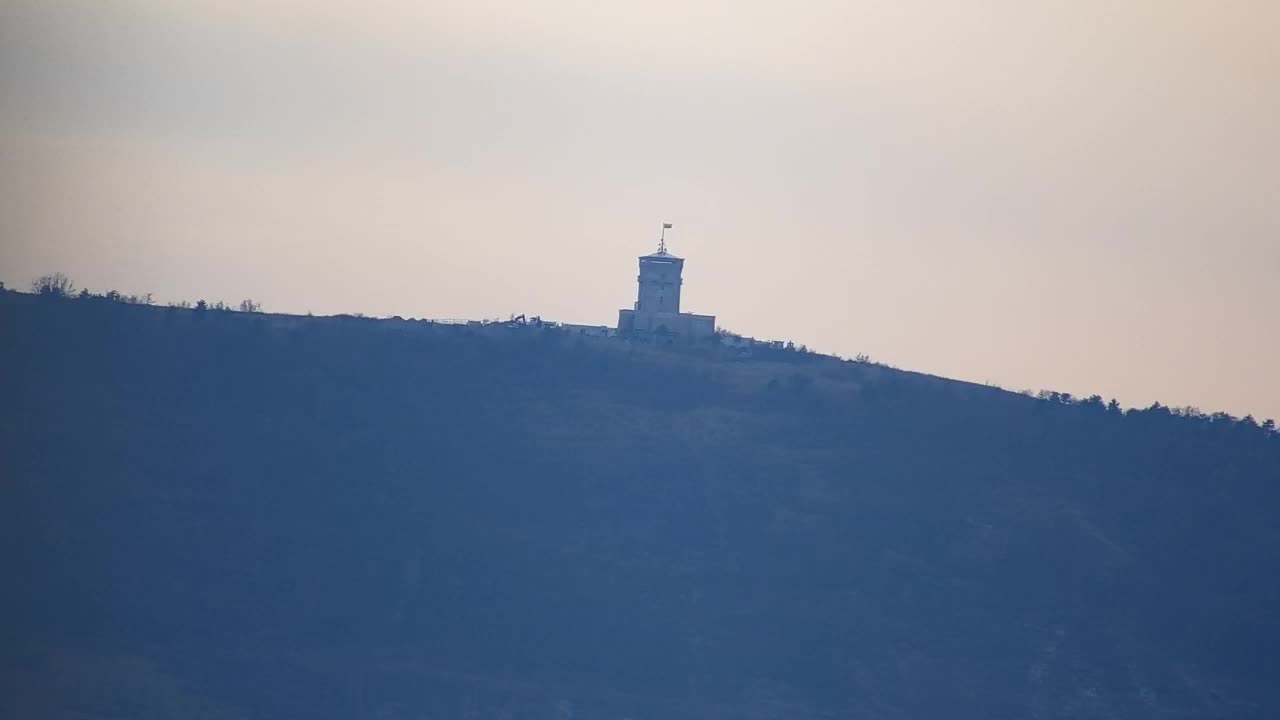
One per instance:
(211, 514)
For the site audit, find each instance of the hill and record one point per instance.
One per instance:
(211, 514)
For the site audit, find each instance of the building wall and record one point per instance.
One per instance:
(591, 330)
(700, 325)
(686, 325)
(660, 283)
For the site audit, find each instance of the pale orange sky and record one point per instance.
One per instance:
(1075, 195)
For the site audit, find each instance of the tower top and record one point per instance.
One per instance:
(663, 253)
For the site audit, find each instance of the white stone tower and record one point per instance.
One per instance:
(657, 308)
(660, 280)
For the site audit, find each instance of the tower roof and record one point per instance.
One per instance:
(662, 253)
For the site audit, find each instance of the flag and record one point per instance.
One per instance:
(666, 226)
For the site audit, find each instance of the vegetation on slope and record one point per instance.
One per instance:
(244, 515)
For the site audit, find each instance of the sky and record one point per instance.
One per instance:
(1077, 195)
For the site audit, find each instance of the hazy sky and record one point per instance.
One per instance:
(1081, 195)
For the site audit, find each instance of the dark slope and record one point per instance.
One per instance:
(206, 514)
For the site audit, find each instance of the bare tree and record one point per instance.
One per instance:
(53, 285)
(248, 305)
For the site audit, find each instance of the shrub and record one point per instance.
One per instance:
(53, 285)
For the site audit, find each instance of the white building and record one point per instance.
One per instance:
(657, 308)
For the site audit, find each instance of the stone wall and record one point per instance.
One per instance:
(687, 325)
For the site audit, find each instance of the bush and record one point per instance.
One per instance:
(53, 285)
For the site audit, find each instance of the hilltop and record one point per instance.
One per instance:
(217, 514)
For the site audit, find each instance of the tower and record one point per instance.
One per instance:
(657, 306)
(659, 282)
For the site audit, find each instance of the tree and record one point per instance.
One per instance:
(53, 285)
(201, 306)
(249, 306)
